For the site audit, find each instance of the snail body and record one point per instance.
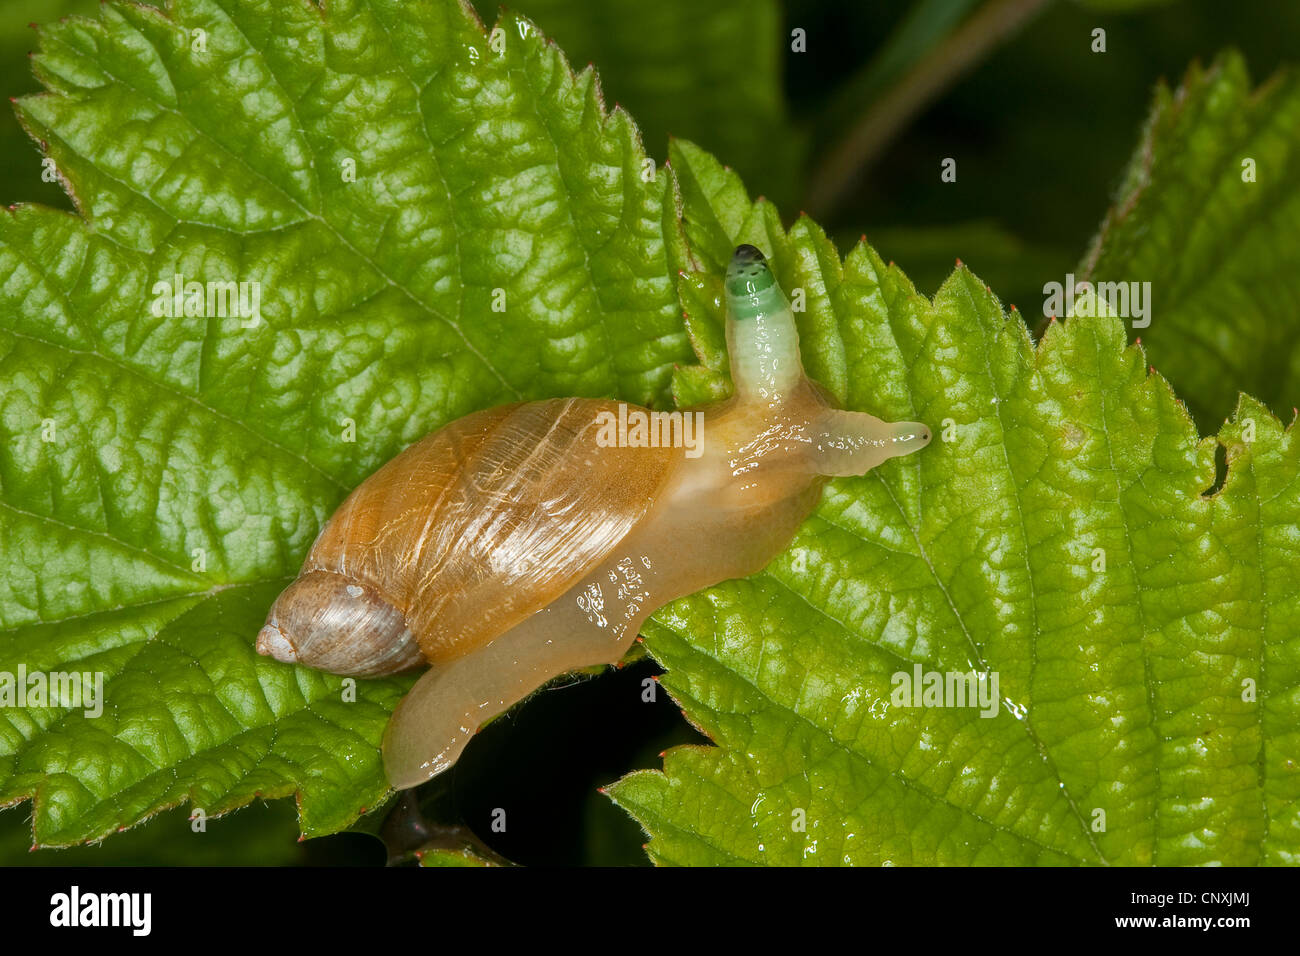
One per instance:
(518, 543)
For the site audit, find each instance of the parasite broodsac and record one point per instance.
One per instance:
(520, 543)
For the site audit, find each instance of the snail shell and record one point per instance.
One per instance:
(519, 543)
(461, 536)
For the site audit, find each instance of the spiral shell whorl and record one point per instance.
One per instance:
(327, 621)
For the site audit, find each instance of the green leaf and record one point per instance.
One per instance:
(21, 171)
(259, 835)
(162, 477)
(1222, 253)
(1015, 267)
(454, 859)
(1161, 687)
(707, 72)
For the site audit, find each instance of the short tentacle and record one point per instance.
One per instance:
(852, 443)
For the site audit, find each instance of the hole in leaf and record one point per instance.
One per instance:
(1220, 471)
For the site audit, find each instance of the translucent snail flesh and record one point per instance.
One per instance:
(515, 545)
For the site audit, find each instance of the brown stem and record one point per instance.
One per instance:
(920, 86)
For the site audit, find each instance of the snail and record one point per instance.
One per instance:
(520, 543)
